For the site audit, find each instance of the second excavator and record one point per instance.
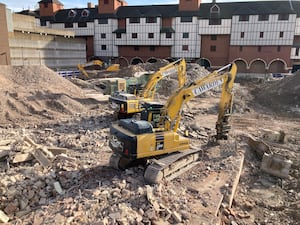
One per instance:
(154, 139)
(126, 105)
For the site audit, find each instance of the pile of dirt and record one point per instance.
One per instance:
(168, 85)
(282, 95)
(36, 92)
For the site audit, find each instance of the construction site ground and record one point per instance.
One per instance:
(54, 155)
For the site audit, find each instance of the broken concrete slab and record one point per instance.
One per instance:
(3, 217)
(276, 165)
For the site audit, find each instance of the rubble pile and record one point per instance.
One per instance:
(54, 169)
(36, 92)
(282, 95)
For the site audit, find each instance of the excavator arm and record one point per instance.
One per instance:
(171, 112)
(179, 67)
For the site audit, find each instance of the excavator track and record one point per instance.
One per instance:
(171, 166)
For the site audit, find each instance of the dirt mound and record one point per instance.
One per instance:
(168, 85)
(282, 95)
(36, 92)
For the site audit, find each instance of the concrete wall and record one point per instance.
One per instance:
(33, 45)
(4, 46)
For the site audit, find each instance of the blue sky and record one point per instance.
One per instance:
(17, 5)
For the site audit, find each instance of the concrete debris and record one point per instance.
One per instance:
(276, 165)
(3, 217)
(54, 157)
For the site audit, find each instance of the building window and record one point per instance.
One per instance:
(186, 19)
(213, 48)
(214, 21)
(43, 23)
(103, 47)
(103, 35)
(281, 34)
(85, 13)
(168, 35)
(264, 17)
(185, 47)
(185, 35)
(68, 25)
(150, 35)
(213, 37)
(152, 48)
(106, 2)
(278, 48)
(261, 34)
(72, 13)
(82, 24)
(244, 18)
(103, 21)
(241, 48)
(259, 48)
(297, 52)
(283, 17)
(134, 35)
(242, 34)
(118, 35)
(134, 20)
(136, 48)
(151, 20)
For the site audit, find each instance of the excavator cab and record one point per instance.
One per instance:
(152, 112)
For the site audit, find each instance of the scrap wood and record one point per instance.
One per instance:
(5, 142)
(3, 217)
(22, 157)
(56, 150)
(41, 158)
(236, 180)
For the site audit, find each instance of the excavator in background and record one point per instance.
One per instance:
(154, 140)
(97, 63)
(126, 104)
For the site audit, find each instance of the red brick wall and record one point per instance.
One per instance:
(89, 47)
(167, 22)
(144, 52)
(111, 7)
(50, 9)
(4, 45)
(189, 5)
(122, 23)
(267, 53)
(220, 56)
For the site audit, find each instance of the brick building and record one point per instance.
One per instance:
(261, 36)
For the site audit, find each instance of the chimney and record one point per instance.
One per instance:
(110, 6)
(90, 5)
(189, 5)
(48, 8)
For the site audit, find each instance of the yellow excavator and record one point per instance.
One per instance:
(154, 139)
(97, 63)
(126, 105)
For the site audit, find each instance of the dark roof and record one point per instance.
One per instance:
(51, 1)
(63, 15)
(227, 10)
(167, 30)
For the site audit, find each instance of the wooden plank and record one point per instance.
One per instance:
(236, 180)
(41, 158)
(22, 157)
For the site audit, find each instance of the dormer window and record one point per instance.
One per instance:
(72, 13)
(215, 9)
(85, 13)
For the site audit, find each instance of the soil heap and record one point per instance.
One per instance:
(36, 92)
